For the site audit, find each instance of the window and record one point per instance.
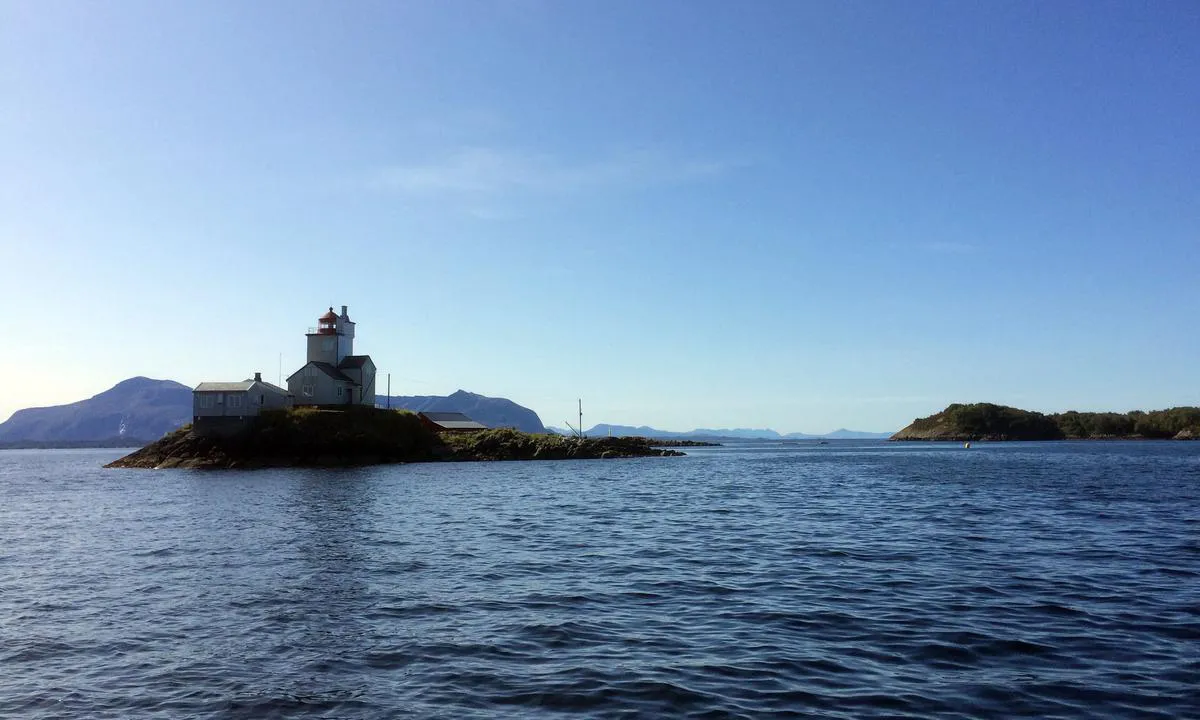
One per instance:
(339, 392)
(206, 400)
(235, 401)
(307, 390)
(262, 399)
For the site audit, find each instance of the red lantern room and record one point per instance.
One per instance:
(327, 323)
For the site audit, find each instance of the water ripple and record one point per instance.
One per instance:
(852, 580)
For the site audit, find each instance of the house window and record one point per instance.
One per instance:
(235, 401)
(307, 390)
(206, 401)
(262, 399)
(339, 392)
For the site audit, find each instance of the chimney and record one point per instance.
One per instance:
(258, 377)
(344, 308)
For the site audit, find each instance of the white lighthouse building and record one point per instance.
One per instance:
(333, 375)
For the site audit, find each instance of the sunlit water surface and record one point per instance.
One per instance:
(845, 580)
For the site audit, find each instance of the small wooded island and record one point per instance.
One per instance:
(985, 421)
(354, 436)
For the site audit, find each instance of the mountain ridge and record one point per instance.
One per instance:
(725, 433)
(139, 410)
(493, 412)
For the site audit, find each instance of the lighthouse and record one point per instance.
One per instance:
(332, 340)
(332, 373)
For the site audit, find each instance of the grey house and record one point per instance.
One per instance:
(333, 375)
(212, 400)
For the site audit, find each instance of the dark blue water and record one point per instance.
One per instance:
(1036, 580)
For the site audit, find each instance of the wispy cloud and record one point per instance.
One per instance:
(481, 172)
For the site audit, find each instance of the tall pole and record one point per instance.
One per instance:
(389, 395)
(580, 417)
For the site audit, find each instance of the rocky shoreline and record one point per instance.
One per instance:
(309, 438)
(675, 442)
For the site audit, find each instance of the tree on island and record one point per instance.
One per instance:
(986, 421)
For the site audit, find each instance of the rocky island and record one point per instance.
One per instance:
(985, 421)
(310, 437)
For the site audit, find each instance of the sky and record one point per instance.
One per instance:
(796, 215)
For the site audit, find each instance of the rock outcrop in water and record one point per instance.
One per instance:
(306, 437)
(985, 421)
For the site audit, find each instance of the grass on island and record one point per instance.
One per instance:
(356, 430)
(509, 444)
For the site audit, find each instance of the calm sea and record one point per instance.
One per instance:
(846, 580)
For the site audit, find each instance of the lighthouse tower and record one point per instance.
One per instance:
(332, 341)
(332, 373)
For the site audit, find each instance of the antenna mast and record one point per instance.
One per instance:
(577, 430)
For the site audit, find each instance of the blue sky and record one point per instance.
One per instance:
(802, 215)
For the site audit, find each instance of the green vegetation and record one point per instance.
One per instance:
(985, 421)
(509, 444)
(1154, 424)
(310, 437)
(355, 431)
(981, 421)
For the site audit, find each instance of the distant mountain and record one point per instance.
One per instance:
(743, 433)
(604, 429)
(137, 409)
(493, 412)
(844, 434)
(724, 433)
(647, 431)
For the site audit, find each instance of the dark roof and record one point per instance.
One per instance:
(331, 315)
(328, 369)
(354, 361)
(452, 421)
(331, 371)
